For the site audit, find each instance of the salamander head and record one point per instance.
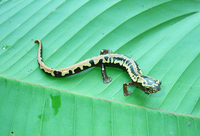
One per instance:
(150, 85)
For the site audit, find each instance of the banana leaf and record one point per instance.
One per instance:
(162, 36)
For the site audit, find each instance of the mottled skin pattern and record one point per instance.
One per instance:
(106, 58)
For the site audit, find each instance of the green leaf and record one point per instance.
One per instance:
(161, 36)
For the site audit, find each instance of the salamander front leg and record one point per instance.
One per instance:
(126, 92)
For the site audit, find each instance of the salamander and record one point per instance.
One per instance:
(106, 58)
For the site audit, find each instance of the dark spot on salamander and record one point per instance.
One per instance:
(114, 59)
(70, 72)
(128, 62)
(91, 62)
(77, 70)
(100, 61)
(57, 73)
(86, 67)
(120, 58)
(106, 58)
(132, 70)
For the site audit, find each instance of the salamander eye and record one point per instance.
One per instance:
(158, 82)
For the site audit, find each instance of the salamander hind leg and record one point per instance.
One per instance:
(126, 92)
(106, 79)
(104, 51)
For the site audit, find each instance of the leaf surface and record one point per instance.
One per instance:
(161, 36)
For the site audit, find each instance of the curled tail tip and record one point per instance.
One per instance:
(37, 41)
